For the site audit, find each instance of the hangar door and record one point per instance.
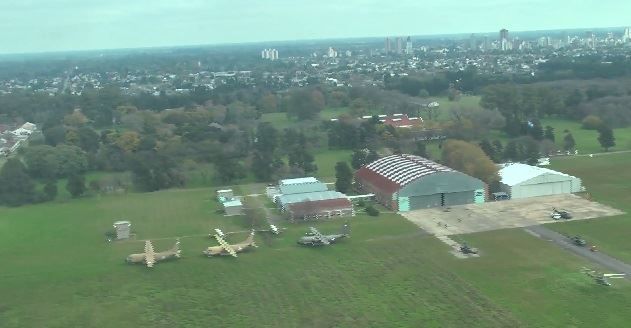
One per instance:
(542, 189)
(425, 201)
(458, 198)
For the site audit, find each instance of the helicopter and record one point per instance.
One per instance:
(465, 249)
(602, 278)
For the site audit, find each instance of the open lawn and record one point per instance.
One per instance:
(608, 180)
(446, 105)
(587, 140)
(326, 160)
(58, 271)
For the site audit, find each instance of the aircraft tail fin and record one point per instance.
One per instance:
(346, 229)
(250, 239)
(176, 248)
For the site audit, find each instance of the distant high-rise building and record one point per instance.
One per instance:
(399, 45)
(332, 53)
(408, 46)
(271, 54)
(473, 43)
(626, 37)
(388, 46)
(590, 39)
(503, 34)
(504, 44)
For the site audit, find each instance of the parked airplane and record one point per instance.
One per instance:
(150, 257)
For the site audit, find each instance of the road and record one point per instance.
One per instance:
(592, 154)
(604, 260)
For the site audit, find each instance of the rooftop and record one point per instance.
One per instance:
(232, 203)
(516, 173)
(298, 181)
(393, 172)
(309, 196)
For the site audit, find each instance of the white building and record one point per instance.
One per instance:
(332, 53)
(271, 54)
(626, 37)
(523, 181)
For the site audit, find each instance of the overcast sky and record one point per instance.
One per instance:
(53, 25)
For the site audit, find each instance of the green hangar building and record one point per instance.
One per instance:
(408, 182)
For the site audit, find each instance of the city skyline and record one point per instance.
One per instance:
(68, 25)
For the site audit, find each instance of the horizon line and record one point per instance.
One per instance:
(320, 39)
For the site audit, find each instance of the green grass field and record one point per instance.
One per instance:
(58, 271)
(587, 140)
(607, 179)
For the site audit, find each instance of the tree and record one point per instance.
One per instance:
(305, 103)
(549, 133)
(16, 187)
(343, 177)
(592, 122)
(228, 169)
(75, 119)
(301, 158)
(421, 149)
(372, 211)
(55, 135)
(499, 149)
(128, 141)
(606, 137)
(488, 149)
(48, 162)
(470, 159)
(88, 139)
(76, 185)
(568, 142)
(535, 130)
(362, 157)
(531, 152)
(152, 170)
(268, 103)
(50, 189)
(574, 98)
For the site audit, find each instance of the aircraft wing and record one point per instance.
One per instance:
(225, 246)
(319, 236)
(150, 255)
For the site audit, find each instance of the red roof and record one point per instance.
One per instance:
(401, 121)
(390, 173)
(314, 207)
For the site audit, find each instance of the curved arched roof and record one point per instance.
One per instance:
(390, 173)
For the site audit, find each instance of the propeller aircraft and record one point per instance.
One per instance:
(227, 249)
(150, 257)
(314, 238)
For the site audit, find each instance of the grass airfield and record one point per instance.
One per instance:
(58, 271)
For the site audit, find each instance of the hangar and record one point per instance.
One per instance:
(523, 181)
(408, 182)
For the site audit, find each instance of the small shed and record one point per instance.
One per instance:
(225, 195)
(233, 207)
(123, 229)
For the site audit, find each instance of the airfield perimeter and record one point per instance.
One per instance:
(57, 270)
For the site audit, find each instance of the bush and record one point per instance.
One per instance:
(592, 122)
(361, 203)
(370, 210)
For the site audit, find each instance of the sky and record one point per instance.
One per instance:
(60, 25)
